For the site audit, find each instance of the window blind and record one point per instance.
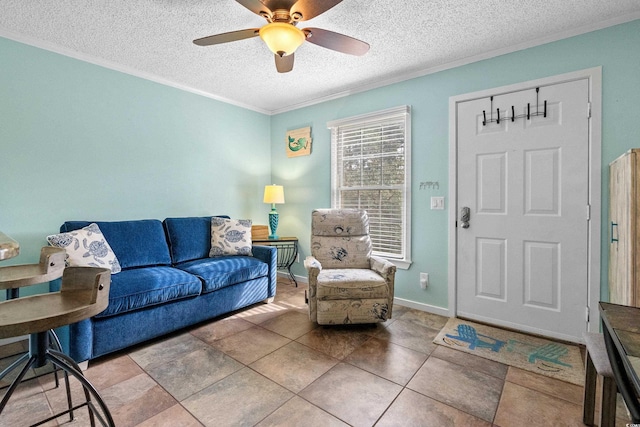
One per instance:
(369, 165)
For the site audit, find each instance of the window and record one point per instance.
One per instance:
(370, 169)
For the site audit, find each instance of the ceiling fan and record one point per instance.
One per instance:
(281, 34)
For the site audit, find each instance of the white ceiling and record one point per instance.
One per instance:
(408, 38)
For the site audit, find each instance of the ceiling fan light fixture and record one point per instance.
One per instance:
(282, 38)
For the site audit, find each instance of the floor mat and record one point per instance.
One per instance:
(557, 360)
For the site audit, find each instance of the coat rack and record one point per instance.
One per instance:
(513, 112)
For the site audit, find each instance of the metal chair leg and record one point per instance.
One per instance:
(16, 382)
(40, 354)
(55, 342)
(69, 365)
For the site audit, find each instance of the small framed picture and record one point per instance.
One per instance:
(298, 142)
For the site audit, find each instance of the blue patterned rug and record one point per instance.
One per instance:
(557, 360)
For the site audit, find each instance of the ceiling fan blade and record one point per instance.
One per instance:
(336, 41)
(284, 64)
(255, 6)
(312, 8)
(227, 37)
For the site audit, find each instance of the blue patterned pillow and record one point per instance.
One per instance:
(86, 247)
(230, 237)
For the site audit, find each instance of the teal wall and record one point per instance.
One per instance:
(79, 141)
(307, 179)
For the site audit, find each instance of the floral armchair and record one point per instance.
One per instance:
(346, 283)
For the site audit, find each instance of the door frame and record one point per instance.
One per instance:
(594, 76)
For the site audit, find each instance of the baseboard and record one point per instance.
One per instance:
(422, 307)
(400, 301)
(299, 279)
(5, 341)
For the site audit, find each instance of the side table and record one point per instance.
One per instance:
(287, 251)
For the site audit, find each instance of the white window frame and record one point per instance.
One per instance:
(398, 113)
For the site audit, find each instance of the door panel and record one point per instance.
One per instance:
(541, 274)
(490, 264)
(542, 188)
(523, 262)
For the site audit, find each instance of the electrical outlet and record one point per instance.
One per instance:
(424, 280)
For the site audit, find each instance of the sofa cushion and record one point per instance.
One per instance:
(86, 247)
(350, 283)
(224, 271)
(136, 243)
(189, 238)
(143, 287)
(230, 237)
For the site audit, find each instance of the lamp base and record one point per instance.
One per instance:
(273, 223)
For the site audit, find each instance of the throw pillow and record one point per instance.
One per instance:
(230, 237)
(86, 247)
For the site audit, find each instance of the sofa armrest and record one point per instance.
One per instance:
(383, 267)
(313, 268)
(387, 270)
(312, 264)
(268, 255)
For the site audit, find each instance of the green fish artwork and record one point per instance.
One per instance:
(298, 142)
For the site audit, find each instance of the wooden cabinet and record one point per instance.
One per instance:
(624, 229)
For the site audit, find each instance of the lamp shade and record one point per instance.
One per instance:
(273, 194)
(282, 38)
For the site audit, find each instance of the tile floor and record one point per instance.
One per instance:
(269, 366)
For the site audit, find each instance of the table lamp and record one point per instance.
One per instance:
(273, 194)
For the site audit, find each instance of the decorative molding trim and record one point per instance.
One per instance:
(363, 88)
(51, 47)
(465, 61)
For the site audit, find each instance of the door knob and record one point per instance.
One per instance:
(465, 216)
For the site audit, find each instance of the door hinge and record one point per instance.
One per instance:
(587, 314)
(588, 212)
(588, 110)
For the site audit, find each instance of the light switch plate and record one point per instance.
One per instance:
(437, 203)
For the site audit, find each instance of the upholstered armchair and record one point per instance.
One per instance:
(346, 283)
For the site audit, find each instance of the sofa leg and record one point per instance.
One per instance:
(269, 300)
(84, 365)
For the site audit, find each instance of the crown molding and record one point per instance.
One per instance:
(465, 61)
(31, 41)
(52, 47)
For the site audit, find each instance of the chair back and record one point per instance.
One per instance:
(340, 238)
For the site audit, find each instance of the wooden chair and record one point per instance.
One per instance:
(84, 293)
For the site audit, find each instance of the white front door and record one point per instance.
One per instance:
(523, 260)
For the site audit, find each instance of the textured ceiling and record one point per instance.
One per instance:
(408, 38)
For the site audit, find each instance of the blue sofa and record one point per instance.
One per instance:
(167, 282)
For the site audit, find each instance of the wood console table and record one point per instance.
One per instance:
(84, 292)
(287, 252)
(621, 329)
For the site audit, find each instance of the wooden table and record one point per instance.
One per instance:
(621, 329)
